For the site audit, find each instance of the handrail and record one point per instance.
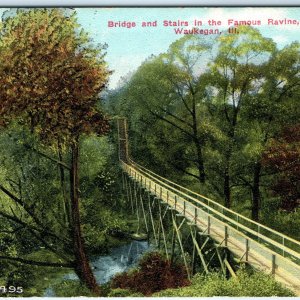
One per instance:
(221, 206)
(174, 183)
(258, 234)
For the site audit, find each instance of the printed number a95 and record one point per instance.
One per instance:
(11, 289)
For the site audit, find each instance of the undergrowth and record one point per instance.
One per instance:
(154, 273)
(256, 284)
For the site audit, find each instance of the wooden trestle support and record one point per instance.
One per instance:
(174, 234)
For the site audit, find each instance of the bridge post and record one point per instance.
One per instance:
(181, 245)
(273, 271)
(173, 243)
(247, 250)
(123, 139)
(199, 250)
(221, 261)
(194, 238)
(151, 218)
(134, 197)
(162, 228)
(132, 189)
(128, 195)
(143, 209)
(226, 235)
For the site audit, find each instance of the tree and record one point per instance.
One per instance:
(51, 79)
(236, 73)
(167, 90)
(282, 156)
(212, 115)
(267, 112)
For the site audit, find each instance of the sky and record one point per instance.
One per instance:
(129, 47)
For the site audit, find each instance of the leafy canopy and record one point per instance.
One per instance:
(50, 76)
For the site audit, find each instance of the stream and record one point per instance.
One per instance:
(105, 267)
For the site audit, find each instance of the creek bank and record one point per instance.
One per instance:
(119, 234)
(120, 259)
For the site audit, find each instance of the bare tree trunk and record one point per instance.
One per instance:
(256, 192)
(198, 145)
(82, 267)
(200, 162)
(227, 193)
(227, 177)
(66, 204)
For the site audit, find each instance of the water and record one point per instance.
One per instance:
(105, 267)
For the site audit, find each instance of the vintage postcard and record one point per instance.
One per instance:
(150, 152)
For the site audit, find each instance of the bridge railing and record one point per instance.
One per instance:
(273, 240)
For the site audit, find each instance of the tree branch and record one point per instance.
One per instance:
(184, 171)
(33, 230)
(38, 263)
(28, 210)
(181, 96)
(61, 163)
(171, 123)
(176, 117)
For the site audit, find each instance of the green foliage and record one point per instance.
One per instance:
(34, 180)
(39, 180)
(284, 221)
(257, 284)
(97, 235)
(101, 195)
(96, 155)
(123, 293)
(45, 63)
(33, 279)
(71, 288)
(212, 117)
(205, 120)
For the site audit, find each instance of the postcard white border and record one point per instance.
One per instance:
(90, 3)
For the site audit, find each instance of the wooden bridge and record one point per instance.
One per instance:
(250, 242)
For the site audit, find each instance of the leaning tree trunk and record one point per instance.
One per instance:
(82, 267)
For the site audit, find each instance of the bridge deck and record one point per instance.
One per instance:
(263, 248)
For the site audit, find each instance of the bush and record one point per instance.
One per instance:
(245, 284)
(257, 284)
(123, 293)
(154, 273)
(202, 286)
(283, 221)
(71, 288)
